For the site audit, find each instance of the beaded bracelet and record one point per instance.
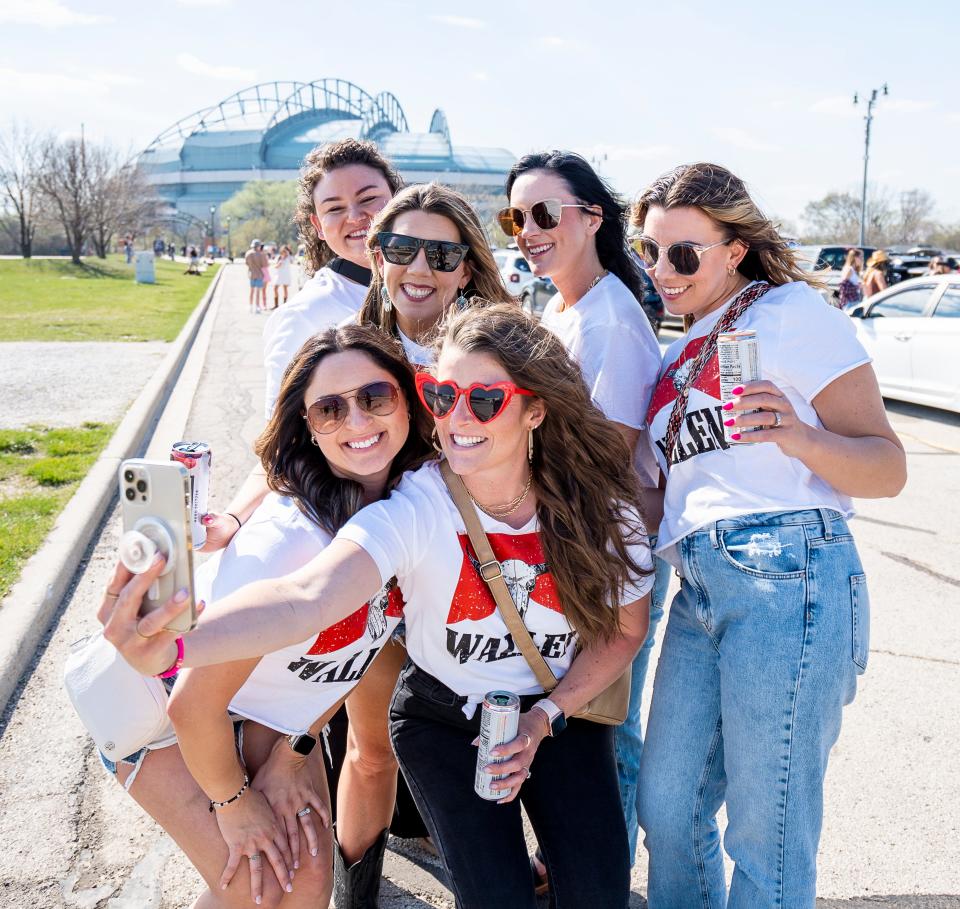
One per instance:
(177, 663)
(214, 805)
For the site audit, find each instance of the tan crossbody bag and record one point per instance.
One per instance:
(610, 706)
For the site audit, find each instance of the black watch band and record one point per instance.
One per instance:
(302, 743)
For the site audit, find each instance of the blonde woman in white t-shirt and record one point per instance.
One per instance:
(570, 227)
(247, 773)
(770, 628)
(559, 502)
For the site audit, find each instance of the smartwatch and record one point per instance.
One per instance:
(302, 743)
(555, 718)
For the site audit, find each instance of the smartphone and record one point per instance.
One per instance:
(155, 502)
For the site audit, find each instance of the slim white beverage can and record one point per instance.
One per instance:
(738, 354)
(498, 724)
(196, 457)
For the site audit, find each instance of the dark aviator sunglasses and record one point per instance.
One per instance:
(442, 255)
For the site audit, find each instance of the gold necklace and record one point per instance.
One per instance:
(592, 284)
(504, 511)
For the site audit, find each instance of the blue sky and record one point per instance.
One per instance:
(764, 88)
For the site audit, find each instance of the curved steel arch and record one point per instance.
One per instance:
(386, 114)
(263, 97)
(438, 124)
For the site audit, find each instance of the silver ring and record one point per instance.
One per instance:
(529, 740)
(303, 811)
(777, 419)
(111, 595)
(529, 774)
(255, 857)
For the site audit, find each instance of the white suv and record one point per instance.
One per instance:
(514, 269)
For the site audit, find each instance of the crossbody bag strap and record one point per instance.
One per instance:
(736, 309)
(492, 574)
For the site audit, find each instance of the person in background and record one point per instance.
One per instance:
(254, 262)
(283, 266)
(850, 289)
(570, 227)
(875, 275)
(770, 628)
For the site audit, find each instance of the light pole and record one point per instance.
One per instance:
(229, 247)
(213, 228)
(866, 154)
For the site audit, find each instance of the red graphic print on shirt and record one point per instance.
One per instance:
(524, 570)
(672, 380)
(369, 617)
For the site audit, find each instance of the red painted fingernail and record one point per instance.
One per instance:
(738, 390)
(728, 405)
(730, 422)
(735, 436)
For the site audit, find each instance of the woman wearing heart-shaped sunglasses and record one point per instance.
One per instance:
(559, 502)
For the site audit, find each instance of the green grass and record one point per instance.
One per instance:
(39, 470)
(55, 300)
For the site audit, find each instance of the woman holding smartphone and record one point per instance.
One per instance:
(559, 502)
(247, 773)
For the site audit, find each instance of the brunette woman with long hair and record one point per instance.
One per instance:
(343, 432)
(769, 630)
(429, 252)
(559, 502)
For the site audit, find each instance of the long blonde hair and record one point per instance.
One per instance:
(485, 280)
(588, 499)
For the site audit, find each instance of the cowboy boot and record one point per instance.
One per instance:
(357, 886)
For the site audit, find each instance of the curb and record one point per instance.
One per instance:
(27, 611)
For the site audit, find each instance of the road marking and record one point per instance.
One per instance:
(904, 560)
(914, 656)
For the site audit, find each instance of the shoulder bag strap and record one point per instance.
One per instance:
(492, 574)
(736, 309)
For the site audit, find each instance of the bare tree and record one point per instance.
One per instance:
(21, 157)
(915, 222)
(836, 218)
(120, 197)
(64, 181)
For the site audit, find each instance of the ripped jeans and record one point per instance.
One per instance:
(762, 650)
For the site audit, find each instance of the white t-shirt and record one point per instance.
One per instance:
(609, 335)
(804, 345)
(453, 627)
(293, 686)
(326, 300)
(416, 353)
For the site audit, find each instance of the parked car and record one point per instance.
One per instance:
(535, 296)
(514, 269)
(911, 263)
(912, 332)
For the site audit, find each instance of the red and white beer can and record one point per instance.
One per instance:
(738, 355)
(498, 724)
(196, 458)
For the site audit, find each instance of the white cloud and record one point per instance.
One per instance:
(613, 153)
(906, 105)
(203, 2)
(112, 79)
(837, 104)
(842, 105)
(210, 71)
(460, 21)
(558, 43)
(45, 13)
(740, 138)
(481, 76)
(47, 84)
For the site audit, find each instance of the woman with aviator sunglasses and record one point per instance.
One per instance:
(429, 253)
(770, 628)
(559, 503)
(570, 226)
(247, 771)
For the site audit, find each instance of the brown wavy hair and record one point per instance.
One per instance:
(295, 467)
(588, 495)
(485, 280)
(318, 163)
(723, 197)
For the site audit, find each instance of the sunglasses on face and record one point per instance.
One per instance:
(684, 257)
(546, 215)
(484, 402)
(327, 414)
(442, 255)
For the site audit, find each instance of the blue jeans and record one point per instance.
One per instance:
(629, 737)
(762, 650)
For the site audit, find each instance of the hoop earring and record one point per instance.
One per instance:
(530, 445)
(731, 270)
(313, 440)
(435, 440)
(385, 300)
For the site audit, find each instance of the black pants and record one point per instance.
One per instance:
(572, 799)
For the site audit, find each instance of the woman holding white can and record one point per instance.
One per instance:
(769, 630)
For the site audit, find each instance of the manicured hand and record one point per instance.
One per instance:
(221, 529)
(288, 782)
(792, 435)
(252, 831)
(143, 642)
(515, 757)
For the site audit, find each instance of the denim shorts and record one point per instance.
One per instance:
(136, 759)
(256, 282)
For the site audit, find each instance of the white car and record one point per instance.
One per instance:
(912, 331)
(514, 269)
